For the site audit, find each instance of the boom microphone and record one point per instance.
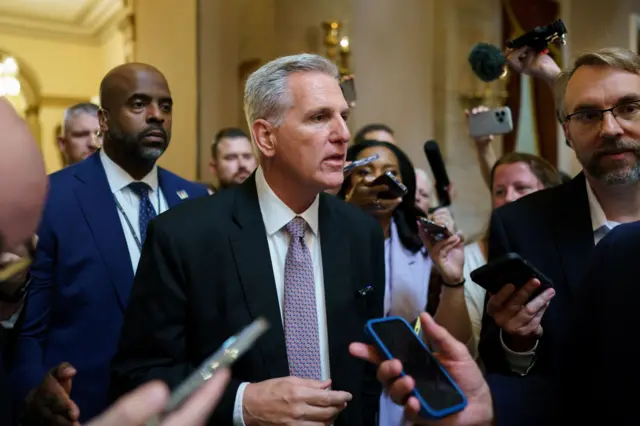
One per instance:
(442, 184)
(487, 62)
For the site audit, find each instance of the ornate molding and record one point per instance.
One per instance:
(89, 26)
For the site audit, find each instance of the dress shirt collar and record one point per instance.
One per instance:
(598, 218)
(275, 213)
(119, 179)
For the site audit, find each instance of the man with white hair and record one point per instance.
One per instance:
(80, 135)
(279, 248)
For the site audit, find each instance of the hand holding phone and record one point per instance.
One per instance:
(446, 253)
(438, 395)
(232, 349)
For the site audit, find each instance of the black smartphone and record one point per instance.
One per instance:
(437, 392)
(348, 87)
(396, 188)
(509, 269)
(437, 232)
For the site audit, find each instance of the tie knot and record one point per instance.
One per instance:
(296, 227)
(141, 189)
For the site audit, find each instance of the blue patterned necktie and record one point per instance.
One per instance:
(147, 211)
(300, 313)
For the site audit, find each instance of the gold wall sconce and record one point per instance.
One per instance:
(337, 46)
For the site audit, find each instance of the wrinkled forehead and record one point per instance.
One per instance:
(142, 82)
(311, 90)
(600, 87)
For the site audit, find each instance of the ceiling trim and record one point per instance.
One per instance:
(89, 26)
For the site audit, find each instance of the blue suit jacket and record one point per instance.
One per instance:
(81, 278)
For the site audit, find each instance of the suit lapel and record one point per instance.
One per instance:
(253, 261)
(574, 231)
(99, 208)
(169, 186)
(338, 288)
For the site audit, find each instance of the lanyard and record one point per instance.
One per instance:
(126, 219)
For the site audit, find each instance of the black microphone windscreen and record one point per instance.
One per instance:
(487, 61)
(442, 183)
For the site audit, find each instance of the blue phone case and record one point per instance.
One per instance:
(426, 410)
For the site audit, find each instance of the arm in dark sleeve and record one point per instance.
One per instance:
(153, 339)
(489, 347)
(371, 387)
(26, 356)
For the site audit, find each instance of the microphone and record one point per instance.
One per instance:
(489, 63)
(434, 157)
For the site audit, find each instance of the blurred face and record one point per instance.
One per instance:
(387, 161)
(80, 138)
(140, 114)
(234, 161)
(607, 146)
(380, 135)
(309, 147)
(423, 193)
(512, 181)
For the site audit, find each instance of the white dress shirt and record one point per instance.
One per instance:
(522, 362)
(276, 215)
(118, 182)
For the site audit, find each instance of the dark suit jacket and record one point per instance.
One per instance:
(601, 358)
(206, 272)
(81, 277)
(551, 229)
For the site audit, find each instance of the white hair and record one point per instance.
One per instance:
(266, 93)
(424, 175)
(75, 110)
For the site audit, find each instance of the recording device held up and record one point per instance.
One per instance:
(489, 62)
(442, 183)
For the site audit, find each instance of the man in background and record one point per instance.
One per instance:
(376, 132)
(232, 158)
(80, 135)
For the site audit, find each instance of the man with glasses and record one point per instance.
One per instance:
(556, 230)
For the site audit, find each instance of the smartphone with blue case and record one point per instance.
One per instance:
(438, 394)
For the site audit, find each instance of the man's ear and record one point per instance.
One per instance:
(103, 119)
(61, 145)
(262, 132)
(213, 168)
(567, 134)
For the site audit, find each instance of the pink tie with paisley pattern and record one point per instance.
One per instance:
(300, 312)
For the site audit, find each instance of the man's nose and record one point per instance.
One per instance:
(610, 127)
(155, 113)
(340, 132)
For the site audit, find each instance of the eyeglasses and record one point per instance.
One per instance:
(628, 111)
(11, 270)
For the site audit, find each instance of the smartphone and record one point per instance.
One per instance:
(396, 188)
(493, 122)
(348, 87)
(438, 394)
(437, 232)
(232, 349)
(509, 269)
(360, 163)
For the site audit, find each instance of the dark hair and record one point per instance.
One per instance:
(228, 132)
(406, 214)
(541, 168)
(374, 127)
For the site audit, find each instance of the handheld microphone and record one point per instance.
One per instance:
(434, 157)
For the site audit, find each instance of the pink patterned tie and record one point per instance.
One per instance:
(300, 313)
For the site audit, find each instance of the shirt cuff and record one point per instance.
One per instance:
(519, 362)
(10, 322)
(238, 419)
